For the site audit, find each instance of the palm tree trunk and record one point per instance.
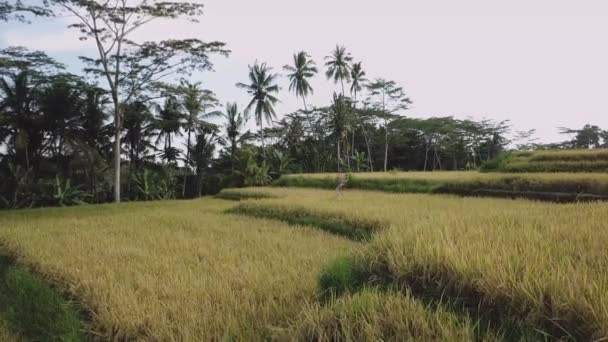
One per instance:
(262, 135)
(188, 144)
(233, 153)
(187, 164)
(338, 141)
(314, 135)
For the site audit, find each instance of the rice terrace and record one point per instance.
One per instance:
(332, 171)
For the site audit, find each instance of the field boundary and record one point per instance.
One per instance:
(510, 187)
(234, 194)
(38, 309)
(354, 229)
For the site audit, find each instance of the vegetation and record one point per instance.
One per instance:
(173, 269)
(277, 263)
(594, 160)
(35, 310)
(478, 264)
(543, 186)
(377, 316)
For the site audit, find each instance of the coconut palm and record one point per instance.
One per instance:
(338, 65)
(357, 75)
(235, 123)
(300, 72)
(197, 103)
(21, 117)
(339, 120)
(168, 124)
(261, 87)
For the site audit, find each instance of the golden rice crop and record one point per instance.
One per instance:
(595, 160)
(379, 316)
(174, 270)
(543, 263)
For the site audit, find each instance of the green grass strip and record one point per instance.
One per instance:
(241, 195)
(353, 229)
(34, 309)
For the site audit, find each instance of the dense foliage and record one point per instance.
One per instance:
(140, 130)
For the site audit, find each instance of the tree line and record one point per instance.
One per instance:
(133, 125)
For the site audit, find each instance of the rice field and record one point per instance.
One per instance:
(594, 160)
(559, 187)
(174, 270)
(297, 264)
(540, 266)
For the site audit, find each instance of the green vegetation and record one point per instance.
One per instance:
(239, 195)
(358, 229)
(563, 187)
(34, 310)
(595, 160)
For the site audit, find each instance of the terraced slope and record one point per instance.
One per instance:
(557, 187)
(595, 160)
(174, 270)
(517, 267)
(190, 271)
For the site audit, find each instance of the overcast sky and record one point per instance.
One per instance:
(542, 64)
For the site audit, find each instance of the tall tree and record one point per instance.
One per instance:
(340, 109)
(389, 99)
(17, 10)
(197, 103)
(168, 124)
(300, 72)
(202, 154)
(129, 67)
(234, 126)
(22, 118)
(139, 128)
(261, 87)
(357, 75)
(338, 65)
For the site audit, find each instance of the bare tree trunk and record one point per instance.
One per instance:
(369, 151)
(385, 145)
(117, 124)
(426, 155)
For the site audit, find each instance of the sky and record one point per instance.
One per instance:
(542, 64)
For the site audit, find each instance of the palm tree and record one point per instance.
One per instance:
(303, 69)
(195, 102)
(339, 111)
(235, 122)
(358, 79)
(202, 154)
(168, 124)
(338, 65)
(357, 75)
(18, 104)
(261, 86)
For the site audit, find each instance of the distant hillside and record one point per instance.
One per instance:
(595, 160)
